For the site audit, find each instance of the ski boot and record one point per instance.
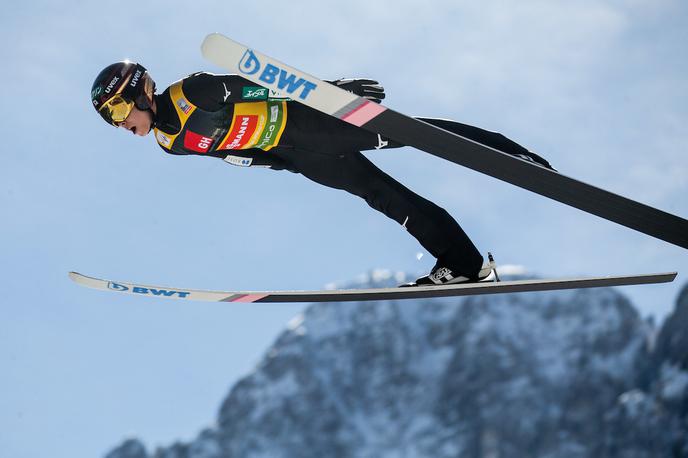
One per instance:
(445, 276)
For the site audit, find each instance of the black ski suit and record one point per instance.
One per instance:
(229, 117)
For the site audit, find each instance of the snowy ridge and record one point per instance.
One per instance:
(557, 374)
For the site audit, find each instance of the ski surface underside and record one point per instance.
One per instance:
(342, 295)
(327, 98)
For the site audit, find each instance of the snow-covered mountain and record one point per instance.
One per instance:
(560, 374)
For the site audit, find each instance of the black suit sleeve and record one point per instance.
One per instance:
(211, 92)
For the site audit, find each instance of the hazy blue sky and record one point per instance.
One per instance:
(599, 88)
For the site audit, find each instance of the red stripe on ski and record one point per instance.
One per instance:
(363, 113)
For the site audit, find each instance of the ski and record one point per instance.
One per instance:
(344, 295)
(327, 98)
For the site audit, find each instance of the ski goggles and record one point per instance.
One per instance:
(116, 110)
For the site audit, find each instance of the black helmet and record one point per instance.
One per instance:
(119, 87)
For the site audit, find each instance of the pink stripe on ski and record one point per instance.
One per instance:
(249, 298)
(363, 113)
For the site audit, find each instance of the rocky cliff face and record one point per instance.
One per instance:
(562, 374)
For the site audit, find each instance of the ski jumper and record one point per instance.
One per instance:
(229, 117)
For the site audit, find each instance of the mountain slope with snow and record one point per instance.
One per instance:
(559, 374)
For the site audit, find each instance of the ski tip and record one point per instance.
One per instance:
(207, 43)
(78, 278)
(212, 37)
(210, 43)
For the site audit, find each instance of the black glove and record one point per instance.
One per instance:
(370, 89)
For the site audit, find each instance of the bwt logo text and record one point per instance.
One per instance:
(149, 291)
(275, 76)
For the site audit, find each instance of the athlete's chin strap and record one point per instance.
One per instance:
(154, 121)
(146, 98)
(149, 108)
